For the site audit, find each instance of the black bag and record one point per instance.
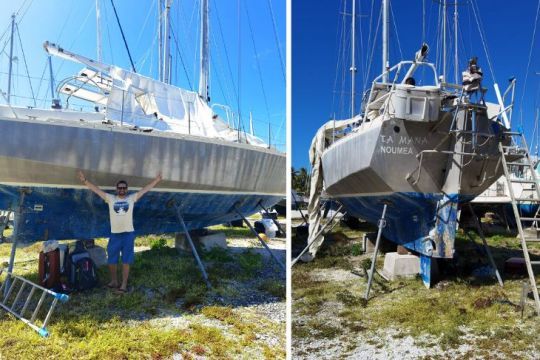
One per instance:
(82, 271)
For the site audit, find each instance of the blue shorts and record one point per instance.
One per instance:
(121, 243)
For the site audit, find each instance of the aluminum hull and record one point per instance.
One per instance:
(392, 162)
(207, 178)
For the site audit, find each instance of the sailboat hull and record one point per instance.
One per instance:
(207, 178)
(408, 165)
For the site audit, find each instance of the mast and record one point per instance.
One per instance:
(160, 39)
(10, 59)
(444, 40)
(385, 40)
(353, 59)
(204, 58)
(98, 32)
(167, 44)
(456, 42)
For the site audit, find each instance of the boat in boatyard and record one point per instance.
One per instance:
(141, 127)
(497, 198)
(421, 150)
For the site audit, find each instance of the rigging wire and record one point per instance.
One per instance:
(239, 68)
(109, 37)
(482, 37)
(25, 64)
(41, 79)
(257, 62)
(181, 59)
(226, 52)
(123, 37)
(372, 52)
(339, 38)
(529, 63)
(276, 38)
(395, 29)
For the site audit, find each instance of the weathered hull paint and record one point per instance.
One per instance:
(424, 223)
(63, 213)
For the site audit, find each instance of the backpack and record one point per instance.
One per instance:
(82, 271)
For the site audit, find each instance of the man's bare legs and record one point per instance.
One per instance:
(125, 276)
(114, 276)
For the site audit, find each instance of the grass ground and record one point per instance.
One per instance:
(168, 312)
(463, 316)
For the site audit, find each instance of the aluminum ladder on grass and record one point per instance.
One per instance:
(522, 152)
(19, 309)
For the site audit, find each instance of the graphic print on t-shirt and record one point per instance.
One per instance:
(121, 207)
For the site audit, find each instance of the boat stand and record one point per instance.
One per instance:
(192, 245)
(330, 225)
(274, 220)
(15, 239)
(381, 225)
(260, 240)
(486, 247)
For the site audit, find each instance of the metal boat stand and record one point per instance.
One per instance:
(330, 225)
(192, 245)
(258, 237)
(486, 247)
(381, 225)
(15, 238)
(274, 220)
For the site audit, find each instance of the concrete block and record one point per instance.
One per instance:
(98, 255)
(213, 240)
(400, 265)
(206, 241)
(368, 243)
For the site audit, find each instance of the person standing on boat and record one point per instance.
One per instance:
(472, 78)
(122, 240)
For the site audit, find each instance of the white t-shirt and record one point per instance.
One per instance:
(121, 213)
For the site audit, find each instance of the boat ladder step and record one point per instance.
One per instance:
(17, 298)
(526, 161)
(522, 181)
(527, 199)
(516, 164)
(512, 147)
(530, 218)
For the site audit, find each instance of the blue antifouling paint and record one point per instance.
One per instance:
(411, 218)
(61, 213)
(425, 270)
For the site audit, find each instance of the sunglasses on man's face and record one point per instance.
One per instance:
(121, 188)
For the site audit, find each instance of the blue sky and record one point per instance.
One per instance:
(72, 24)
(507, 26)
